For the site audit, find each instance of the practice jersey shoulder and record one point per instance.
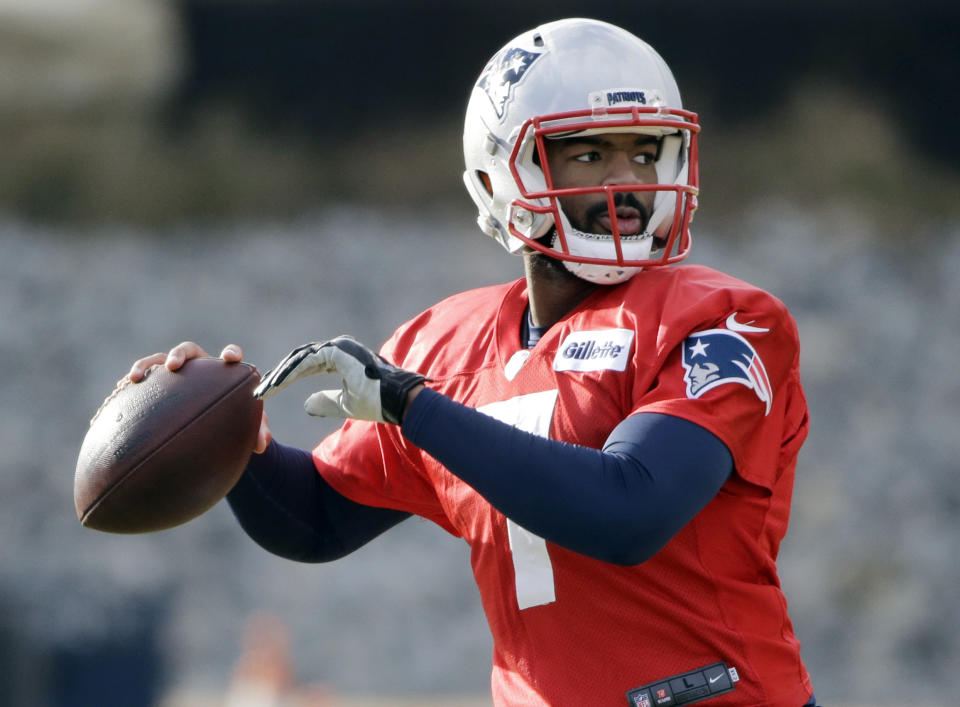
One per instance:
(456, 336)
(669, 303)
(738, 376)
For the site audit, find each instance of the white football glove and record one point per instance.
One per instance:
(372, 389)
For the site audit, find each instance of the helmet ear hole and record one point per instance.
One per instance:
(485, 180)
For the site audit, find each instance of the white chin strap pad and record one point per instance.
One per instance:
(600, 274)
(593, 245)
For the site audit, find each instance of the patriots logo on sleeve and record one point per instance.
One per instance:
(715, 357)
(503, 72)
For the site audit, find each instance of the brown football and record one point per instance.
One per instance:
(162, 451)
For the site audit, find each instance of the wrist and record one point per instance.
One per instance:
(414, 392)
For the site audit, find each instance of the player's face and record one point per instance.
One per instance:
(599, 160)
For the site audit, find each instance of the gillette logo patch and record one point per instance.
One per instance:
(602, 350)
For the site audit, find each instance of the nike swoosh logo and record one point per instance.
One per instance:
(734, 325)
(713, 680)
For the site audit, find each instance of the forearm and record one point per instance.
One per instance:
(621, 504)
(284, 505)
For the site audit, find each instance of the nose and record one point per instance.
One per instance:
(622, 170)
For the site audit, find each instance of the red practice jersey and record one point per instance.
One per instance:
(567, 629)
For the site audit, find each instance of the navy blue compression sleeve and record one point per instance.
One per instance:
(621, 504)
(289, 509)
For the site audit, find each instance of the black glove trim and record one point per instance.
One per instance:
(394, 389)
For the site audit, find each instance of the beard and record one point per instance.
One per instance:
(590, 215)
(600, 209)
(545, 266)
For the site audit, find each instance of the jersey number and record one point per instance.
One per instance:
(531, 562)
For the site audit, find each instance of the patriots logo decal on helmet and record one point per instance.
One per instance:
(504, 71)
(715, 357)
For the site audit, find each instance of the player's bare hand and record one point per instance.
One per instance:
(177, 356)
(183, 352)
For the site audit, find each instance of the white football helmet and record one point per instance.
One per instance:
(578, 77)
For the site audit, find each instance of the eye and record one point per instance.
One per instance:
(648, 153)
(646, 157)
(591, 156)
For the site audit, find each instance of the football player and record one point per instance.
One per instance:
(614, 435)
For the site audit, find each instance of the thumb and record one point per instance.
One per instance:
(325, 403)
(264, 435)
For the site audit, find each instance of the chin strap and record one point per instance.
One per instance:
(597, 245)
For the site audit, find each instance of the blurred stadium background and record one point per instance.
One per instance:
(268, 172)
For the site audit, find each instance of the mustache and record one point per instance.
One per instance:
(619, 199)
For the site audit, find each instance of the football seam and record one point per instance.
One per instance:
(106, 494)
